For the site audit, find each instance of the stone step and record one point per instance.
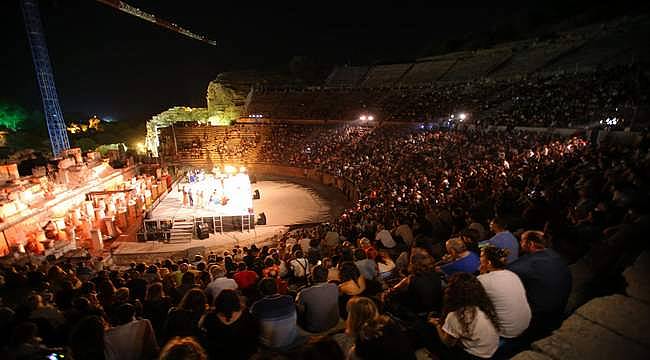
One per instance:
(622, 314)
(579, 338)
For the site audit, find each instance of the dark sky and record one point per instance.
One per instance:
(111, 64)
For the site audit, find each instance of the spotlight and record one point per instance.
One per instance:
(462, 116)
(362, 117)
(371, 118)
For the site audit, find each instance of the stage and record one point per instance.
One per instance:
(285, 202)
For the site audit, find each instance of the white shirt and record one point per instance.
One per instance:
(483, 341)
(508, 296)
(386, 239)
(217, 285)
(300, 267)
(132, 341)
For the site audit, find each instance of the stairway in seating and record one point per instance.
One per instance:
(182, 231)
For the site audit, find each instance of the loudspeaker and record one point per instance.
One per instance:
(202, 231)
(261, 219)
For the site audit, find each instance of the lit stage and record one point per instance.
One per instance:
(208, 196)
(285, 203)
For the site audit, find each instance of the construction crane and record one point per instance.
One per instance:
(131, 10)
(56, 127)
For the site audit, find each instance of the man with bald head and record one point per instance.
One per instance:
(461, 259)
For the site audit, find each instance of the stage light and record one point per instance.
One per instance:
(462, 116)
(371, 118)
(229, 169)
(452, 116)
(363, 118)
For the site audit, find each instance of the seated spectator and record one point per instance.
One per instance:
(352, 284)
(244, 277)
(547, 280)
(26, 344)
(156, 307)
(385, 265)
(318, 304)
(188, 281)
(502, 239)
(459, 258)
(87, 338)
(384, 238)
(367, 267)
(185, 348)
(403, 232)
(229, 328)
(276, 315)
(468, 324)
(505, 290)
(299, 267)
(381, 338)
(219, 282)
(418, 293)
(366, 245)
(184, 319)
(131, 338)
(359, 310)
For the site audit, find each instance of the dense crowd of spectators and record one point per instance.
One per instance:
(559, 100)
(460, 244)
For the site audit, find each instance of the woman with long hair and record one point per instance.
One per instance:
(352, 284)
(360, 310)
(184, 319)
(469, 326)
(156, 307)
(229, 328)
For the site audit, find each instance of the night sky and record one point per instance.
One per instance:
(115, 65)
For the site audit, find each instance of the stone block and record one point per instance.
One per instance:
(530, 355)
(579, 338)
(638, 278)
(622, 314)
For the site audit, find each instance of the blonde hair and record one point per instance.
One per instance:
(360, 310)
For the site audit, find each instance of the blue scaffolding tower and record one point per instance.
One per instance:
(55, 124)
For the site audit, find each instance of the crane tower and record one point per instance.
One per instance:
(55, 124)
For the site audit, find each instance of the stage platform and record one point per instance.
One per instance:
(285, 202)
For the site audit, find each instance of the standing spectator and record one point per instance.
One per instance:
(276, 315)
(318, 304)
(547, 280)
(502, 239)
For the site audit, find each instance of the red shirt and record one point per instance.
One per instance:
(245, 279)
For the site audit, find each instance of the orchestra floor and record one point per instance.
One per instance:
(284, 201)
